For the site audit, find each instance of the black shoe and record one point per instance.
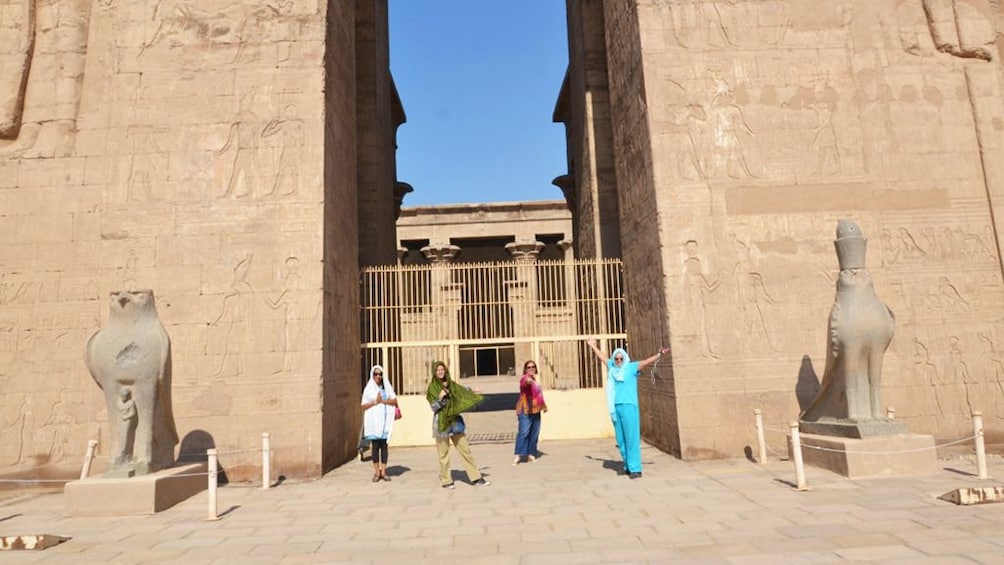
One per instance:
(449, 486)
(481, 483)
(635, 475)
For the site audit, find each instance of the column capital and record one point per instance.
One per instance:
(525, 250)
(566, 246)
(440, 252)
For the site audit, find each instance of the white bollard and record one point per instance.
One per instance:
(981, 448)
(211, 464)
(761, 443)
(88, 457)
(266, 467)
(890, 412)
(796, 456)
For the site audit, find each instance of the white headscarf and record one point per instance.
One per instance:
(615, 374)
(378, 421)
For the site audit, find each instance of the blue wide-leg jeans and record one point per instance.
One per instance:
(528, 434)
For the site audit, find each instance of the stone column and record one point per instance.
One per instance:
(447, 298)
(522, 293)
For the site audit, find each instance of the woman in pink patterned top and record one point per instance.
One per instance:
(528, 410)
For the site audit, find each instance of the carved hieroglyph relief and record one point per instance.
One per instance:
(727, 23)
(228, 33)
(43, 46)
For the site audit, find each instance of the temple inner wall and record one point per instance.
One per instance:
(769, 121)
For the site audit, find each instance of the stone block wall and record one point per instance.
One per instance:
(743, 132)
(204, 150)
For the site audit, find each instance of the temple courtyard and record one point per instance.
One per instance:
(570, 506)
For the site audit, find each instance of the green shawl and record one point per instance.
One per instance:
(461, 399)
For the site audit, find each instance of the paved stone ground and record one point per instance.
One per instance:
(570, 506)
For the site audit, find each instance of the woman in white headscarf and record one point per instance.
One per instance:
(622, 401)
(379, 408)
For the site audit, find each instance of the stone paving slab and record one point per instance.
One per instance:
(571, 506)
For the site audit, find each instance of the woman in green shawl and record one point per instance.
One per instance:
(448, 400)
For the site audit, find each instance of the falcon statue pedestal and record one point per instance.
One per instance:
(845, 429)
(145, 494)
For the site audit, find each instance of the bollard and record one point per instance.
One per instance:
(211, 464)
(981, 448)
(266, 470)
(890, 412)
(88, 457)
(796, 456)
(761, 443)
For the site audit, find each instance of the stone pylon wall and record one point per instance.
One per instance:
(178, 146)
(743, 131)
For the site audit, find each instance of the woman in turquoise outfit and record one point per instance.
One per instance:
(622, 401)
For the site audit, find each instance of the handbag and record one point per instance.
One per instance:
(397, 412)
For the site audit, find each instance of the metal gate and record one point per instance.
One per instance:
(487, 318)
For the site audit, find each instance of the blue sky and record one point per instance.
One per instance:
(478, 80)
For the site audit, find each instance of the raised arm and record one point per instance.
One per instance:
(599, 354)
(646, 362)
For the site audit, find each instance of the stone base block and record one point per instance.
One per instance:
(146, 494)
(885, 456)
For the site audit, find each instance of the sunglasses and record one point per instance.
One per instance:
(618, 358)
(377, 374)
(531, 366)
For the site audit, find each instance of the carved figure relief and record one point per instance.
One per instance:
(824, 140)
(25, 426)
(188, 25)
(256, 321)
(147, 166)
(993, 378)
(259, 156)
(713, 132)
(699, 287)
(727, 127)
(927, 373)
(959, 384)
(223, 31)
(285, 307)
(130, 360)
(752, 297)
(57, 426)
(283, 137)
(723, 23)
(42, 50)
(235, 320)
